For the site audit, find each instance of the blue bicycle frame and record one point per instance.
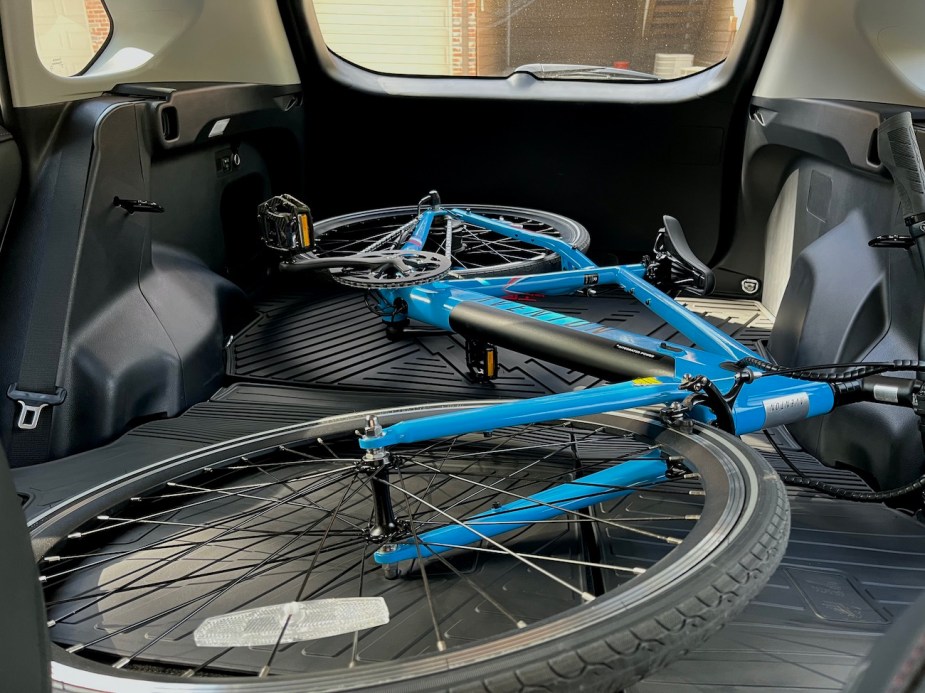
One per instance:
(664, 376)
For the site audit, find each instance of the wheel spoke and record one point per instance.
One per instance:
(441, 643)
(473, 250)
(585, 596)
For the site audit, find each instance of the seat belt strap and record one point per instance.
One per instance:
(36, 392)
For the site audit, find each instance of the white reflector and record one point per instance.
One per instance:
(311, 620)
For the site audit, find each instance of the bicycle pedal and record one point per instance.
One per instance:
(482, 360)
(286, 224)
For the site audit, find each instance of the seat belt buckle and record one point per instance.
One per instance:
(32, 404)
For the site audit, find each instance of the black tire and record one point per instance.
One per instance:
(350, 233)
(642, 623)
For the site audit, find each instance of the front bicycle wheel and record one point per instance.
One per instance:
(130, 570)
(476, 252)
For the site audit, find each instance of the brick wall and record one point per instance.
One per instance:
(98, 21)
(595, 32)
(463, 37)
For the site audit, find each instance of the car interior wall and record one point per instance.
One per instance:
(829, 112)
(10, 156)
(500, 153)
(10, 174)
(150, 299)
(157, 41)
(858, 50)
(24, 643)
(814, 193)
(841, 300)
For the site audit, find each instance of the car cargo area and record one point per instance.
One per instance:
(849, 571)
(227, 438)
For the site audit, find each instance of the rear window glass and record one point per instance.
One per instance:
(552, 39)
(69, 33)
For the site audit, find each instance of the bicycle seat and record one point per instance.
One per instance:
(676, 268)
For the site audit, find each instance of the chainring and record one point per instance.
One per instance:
(398, 268)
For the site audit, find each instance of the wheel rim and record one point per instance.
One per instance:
(448, 579)
(474, 249)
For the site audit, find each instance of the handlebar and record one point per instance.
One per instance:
(883, 389)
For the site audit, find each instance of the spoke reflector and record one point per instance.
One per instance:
(320, 618)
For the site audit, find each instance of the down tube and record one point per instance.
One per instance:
(595, 400)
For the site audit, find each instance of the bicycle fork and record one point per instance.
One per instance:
(399, 541)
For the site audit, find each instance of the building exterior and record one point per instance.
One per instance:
(462, 37)
(68, 33)
(625, 33)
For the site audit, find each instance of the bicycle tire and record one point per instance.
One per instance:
(350, 233)
(641, 624)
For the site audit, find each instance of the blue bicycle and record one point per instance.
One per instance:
(573, 541)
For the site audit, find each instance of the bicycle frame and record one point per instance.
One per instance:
(571, 258)
(768, 401)
(656, 372)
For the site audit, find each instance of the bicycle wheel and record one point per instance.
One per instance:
(281, 516)
(476, 252)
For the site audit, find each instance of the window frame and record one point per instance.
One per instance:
(176, 51)
(523, 86)
(103, 46)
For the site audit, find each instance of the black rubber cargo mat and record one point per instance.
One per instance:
(849, 571)
(232, 412)
(335, 340)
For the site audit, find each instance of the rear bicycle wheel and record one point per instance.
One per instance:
(477, 252)
(283, 517)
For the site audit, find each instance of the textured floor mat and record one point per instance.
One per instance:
(336, 341)
(849, 572)
(232, 412)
